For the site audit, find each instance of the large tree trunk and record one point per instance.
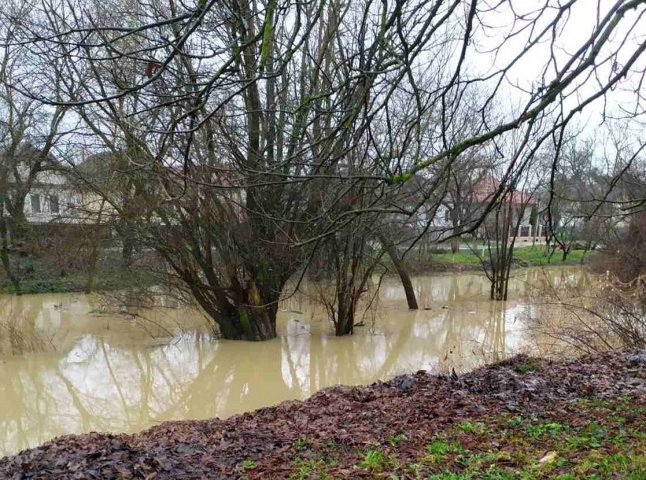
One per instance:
(252, 317)
(398, 262)
(344, 324)
(248, 323)
(4, 255)
(6, 264)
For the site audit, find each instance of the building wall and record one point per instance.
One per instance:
(53, 200)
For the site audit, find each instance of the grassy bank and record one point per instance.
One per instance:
(78, 282)
(593, 439)
(46, 275)
(521, 419)
(523, 256)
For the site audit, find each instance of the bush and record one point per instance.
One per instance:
(627, 255)
(602, 314)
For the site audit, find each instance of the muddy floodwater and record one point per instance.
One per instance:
(72, 363)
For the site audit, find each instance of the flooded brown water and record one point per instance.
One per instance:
(69, 366)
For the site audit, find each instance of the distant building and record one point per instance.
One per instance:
(524, 208)
(450, 218)
(51, 197)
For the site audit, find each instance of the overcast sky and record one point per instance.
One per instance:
(575, 31)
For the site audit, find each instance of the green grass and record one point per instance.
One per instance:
(472, 427)
(530, 256)
(300, 444)
(440, 447)
(526, 367)
(462, 257)
(396, 440)
(374, 461)
(584, 440)
(313, 468)
(105, 281)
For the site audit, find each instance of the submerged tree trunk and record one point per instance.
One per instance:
(245, 313)
(344, 324)
(245, 322)
(501, 258)
(398, 262)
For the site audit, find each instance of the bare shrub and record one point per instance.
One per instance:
(365, 302)
(602, 314)
(154, 309)
(625, 257)
(609, 311)
(19, 336)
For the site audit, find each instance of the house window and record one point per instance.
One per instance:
(53, 204)
(446, 215)
(35, 203)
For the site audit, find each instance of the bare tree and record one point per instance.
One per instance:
(29, 132)
(460, 200)
(354, 257)
(501, 229)
(245, 111)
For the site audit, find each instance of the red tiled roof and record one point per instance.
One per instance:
(485, 188)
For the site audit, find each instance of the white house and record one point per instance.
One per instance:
(53, 198)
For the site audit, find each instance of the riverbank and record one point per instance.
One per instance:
(51, 275)
(44, 276)
(523, 418)
(78, 282)
(524, 256)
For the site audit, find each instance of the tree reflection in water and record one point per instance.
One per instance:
(107, 373)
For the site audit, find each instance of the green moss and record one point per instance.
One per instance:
(526, 367)
(244, 320)
(404, 177)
